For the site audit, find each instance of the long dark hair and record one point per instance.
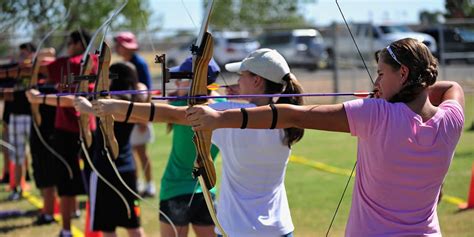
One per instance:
(28, 46)
(422, 65)
(127, 79)
(291, 86)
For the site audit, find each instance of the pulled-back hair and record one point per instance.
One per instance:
(422, 66)
(291, 86)
(127, 79)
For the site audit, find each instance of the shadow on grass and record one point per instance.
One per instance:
(464, 154)
(6, 229)
(14, 214)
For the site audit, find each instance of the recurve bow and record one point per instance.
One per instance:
(204, 168)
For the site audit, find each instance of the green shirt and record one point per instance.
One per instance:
(177, 178)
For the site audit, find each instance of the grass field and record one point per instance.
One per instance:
(313, 194)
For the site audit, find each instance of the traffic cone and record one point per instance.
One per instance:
(57, 207)
(11, 167)
(24, 186)
(470, 200)
(88, 230)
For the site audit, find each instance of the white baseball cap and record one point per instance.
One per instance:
(267, 63)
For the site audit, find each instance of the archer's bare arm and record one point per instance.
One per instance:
(35, 97)
(446, 90)
(164, 113)
(320, 117)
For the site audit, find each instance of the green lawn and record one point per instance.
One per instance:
(313, 194)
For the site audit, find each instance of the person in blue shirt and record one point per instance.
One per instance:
(126, 46)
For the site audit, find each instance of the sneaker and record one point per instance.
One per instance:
(15, 196)
(76, 214)
(44, 219)
(140, 186)
(65, 233)
(150, 190)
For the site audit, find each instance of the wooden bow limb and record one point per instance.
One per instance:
(35, 113)
(106, 123)
(83, 86)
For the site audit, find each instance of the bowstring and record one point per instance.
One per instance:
(373, 83)
(176, 233)
(35, 126)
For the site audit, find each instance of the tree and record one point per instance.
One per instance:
(430, 18)
(459, 9)
(41, 15)
(253, 14)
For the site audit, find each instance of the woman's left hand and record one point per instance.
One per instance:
(33, 96)
(202, 117)
(83, 105)
(104, 107)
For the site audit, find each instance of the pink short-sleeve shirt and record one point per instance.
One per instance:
(402, 162)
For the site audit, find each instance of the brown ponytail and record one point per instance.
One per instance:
(292, 135)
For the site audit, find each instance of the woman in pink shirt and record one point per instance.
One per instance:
(406, 135)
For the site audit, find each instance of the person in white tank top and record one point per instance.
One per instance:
(252, 199)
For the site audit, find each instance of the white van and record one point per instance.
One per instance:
(373, 37)
(300, 47)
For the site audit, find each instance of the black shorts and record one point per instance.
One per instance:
(67, 145)
(6, 112)
(107, 208)
(177, 210)
(42, 159)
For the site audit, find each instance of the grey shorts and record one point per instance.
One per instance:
(139, 137)
(18, 136)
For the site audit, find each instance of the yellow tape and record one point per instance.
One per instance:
(453, 200)
(320, 166)
(334, 170)
(76, 232)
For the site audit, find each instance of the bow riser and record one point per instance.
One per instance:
(202, 140)
(106, 123)
(83, 86)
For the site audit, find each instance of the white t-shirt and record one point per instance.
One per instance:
(252, 200)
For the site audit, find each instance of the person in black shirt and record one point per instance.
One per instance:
(107, 209)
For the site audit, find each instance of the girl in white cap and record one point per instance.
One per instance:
(406, 139)
(252, 199)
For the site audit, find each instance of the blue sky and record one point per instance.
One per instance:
(321, 12)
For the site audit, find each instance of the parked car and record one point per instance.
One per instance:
(233, 46)
(300, 47)
(229, 46)
(458, 43)
(372, 37)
